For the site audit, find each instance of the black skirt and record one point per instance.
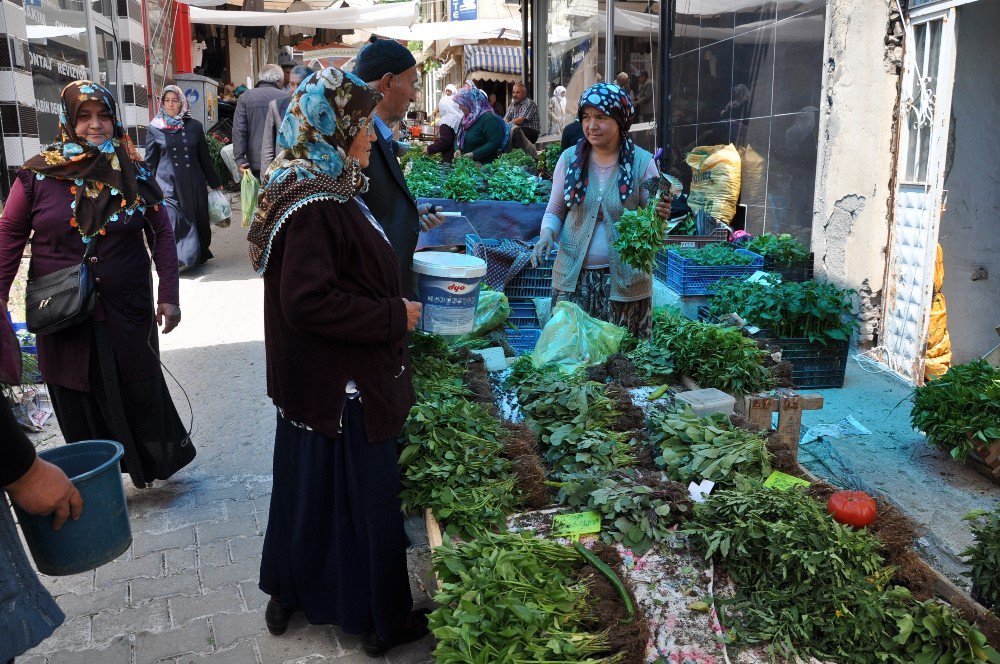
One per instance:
(335, 546)
(139, 415)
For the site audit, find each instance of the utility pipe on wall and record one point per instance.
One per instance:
(664, 82)
(609, 42)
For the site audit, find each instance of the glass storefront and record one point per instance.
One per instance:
(59, 50)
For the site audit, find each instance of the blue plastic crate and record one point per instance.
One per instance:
(684, 277)
(531, 282)
(524, 340)
(523, 314)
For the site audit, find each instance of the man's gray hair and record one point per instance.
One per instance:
(521, 84)
(271, 74)
(301, 72)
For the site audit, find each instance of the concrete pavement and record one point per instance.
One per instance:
(186, 591)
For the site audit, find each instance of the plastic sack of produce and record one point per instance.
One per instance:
(249, 188)
(715, 180)
(492, 311)
(219, 210)
(572, 339)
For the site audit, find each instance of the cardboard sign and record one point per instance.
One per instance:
(782, 481)
(574, 525)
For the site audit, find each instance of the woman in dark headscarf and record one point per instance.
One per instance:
(483, 134)
(103, 374)
(338, 370)
(593, 184)
(177, 151)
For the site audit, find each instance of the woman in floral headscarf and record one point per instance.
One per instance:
(338, 371)
(177, 151)
(483, 134)
(593, 184)
(103, 374)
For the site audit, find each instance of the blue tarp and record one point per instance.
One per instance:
(487, 219)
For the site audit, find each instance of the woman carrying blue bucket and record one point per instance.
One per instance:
(38, 487)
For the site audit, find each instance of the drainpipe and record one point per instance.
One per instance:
(664, 81)
(182, 39)
(609, 42)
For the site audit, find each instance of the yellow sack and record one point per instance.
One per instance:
(938, 355)
(715, 180)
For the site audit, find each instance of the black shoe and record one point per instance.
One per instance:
(413, 629)
(277, 616)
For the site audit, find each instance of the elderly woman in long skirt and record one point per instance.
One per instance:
(338, 370)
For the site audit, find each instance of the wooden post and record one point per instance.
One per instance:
(790, 423)
(759, 411)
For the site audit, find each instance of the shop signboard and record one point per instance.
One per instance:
(464, 10)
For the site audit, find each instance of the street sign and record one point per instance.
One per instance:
(464, 10)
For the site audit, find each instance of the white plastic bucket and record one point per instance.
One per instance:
(448, 287)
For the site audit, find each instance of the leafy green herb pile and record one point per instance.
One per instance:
(712, 355)
(454, 459)
(715, 254)
(813, 310)
(514, 598)
(781, 250)
(960, 410)
(809, 586)
(549, 159)
(694, 448)
(638, 510)
(640, 236)
(652, 361)
(983, 557)
(510, 178)
(215, 152)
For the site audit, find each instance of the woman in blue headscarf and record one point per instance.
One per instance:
(338, 370)
(594, 183)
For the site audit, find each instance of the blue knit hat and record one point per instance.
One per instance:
(381, 57)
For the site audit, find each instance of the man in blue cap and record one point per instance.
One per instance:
(390, 68)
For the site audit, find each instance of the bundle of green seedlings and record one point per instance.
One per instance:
(778, 250)
(426, 177)
(514, 598)
(638, 508)
(715, 254)
(438, 371)
(693, 448)
(640, 236)
(983, 557)
(960, 411)
(813, 310)
(509, 178)
(808, 586)
(574, 417)
(549, 159)
(714, 356)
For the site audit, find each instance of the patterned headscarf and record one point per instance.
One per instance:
(171, 123)
(479, 105)
(110, 181)
(327, 111)
(615, 103)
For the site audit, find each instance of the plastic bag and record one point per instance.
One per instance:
(249, 188)
(492, 311)
(219, 209)
(572, 339)
(715, 180)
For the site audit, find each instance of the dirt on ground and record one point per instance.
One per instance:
(521, 447)
(616, 368)
(626, 636)
(631, 417)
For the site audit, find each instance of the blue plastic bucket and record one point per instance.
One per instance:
(102, 532)
(448, 287)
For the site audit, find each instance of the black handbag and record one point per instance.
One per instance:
(60, 299)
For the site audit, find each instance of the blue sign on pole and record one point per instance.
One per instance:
(464, 10)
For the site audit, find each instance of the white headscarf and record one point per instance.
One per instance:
(451, 114)
(559, 94)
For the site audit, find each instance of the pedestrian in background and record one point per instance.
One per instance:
(390, 68)
(30, 615)
(557, 110)
(523, 112)
(450, 120)
(177, 152)
(276, 113)
(338, 370)
(250, 116)
(621, 80)
(103, 373)
(495, 105)
(594, 183)
(644, 97)
(482, 134)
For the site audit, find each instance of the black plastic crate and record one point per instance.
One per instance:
(531, 282)
(792, 272)
(815, 365)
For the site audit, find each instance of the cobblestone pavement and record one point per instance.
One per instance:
(186, 591)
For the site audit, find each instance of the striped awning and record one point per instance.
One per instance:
(499, 59)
